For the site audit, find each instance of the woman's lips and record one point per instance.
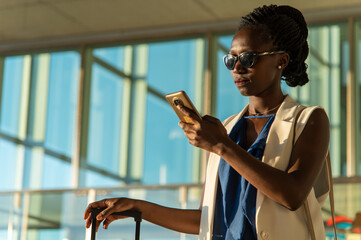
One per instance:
(241, 82)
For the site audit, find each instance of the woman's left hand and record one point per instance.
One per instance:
(207, 132)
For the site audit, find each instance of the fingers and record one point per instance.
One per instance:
(189, 113)
(108, 207)
(211, 119)
(110, 219)
(215, 121)
(97, 225)
(88, 216)
(107, 221)
(88, 221)
(98, 204)
(105, 213)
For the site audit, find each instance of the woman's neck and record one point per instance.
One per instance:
(265, 105)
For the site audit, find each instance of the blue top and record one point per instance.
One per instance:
(235, 207)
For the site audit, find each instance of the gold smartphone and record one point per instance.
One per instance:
(182, 98)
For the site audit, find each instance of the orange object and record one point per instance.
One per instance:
(339, 219)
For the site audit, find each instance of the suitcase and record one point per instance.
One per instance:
(135, 214)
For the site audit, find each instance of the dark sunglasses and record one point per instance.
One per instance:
(246, 59)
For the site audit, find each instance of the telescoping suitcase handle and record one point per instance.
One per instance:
(129, 213)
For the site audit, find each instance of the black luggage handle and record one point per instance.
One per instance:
(129, 213)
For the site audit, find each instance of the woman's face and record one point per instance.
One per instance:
(264, 77)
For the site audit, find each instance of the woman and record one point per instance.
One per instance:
(259, 174)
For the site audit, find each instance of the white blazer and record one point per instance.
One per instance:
(273, 221)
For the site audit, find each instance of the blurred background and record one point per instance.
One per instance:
(83, 114)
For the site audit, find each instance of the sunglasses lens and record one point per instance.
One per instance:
(247, 59)
(230, 61)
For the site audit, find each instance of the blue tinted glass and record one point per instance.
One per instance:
(171, 66)
(95, 179)
(32, 169)
(3, 233)
(9, 216)
(229, 99)
(113, 56)
(45, 234)
(327, 65)
(43, 171)
(104, 119)
(168, 155)
(9, 154)
(226, 42)
(62, 101)
(11, 95)
(56, 173)
(285, 88)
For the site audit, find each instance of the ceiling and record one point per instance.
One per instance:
(36, 24)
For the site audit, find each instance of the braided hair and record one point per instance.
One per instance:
(287, 28)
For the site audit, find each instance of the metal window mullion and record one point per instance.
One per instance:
(138, 113)
(199, 103)
(122, 74)
(23, 117)
(79, 158)
(350, 104)
(75, 162)
(32, 144)
(334, 97)
(209, 92)
(25, 216)
(37, 116)
(40, 75)
(210, 75)
(126, 112)
(24, 97)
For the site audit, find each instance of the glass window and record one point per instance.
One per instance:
(98, 178)
(172, 66)
(56, 173)
(11, 95)
(39, 100)
(9, 163)
(33, 166)
(10, 216)
(62, 102)
(113, 56)
(327, 67)
(104, 120)
(168, 155)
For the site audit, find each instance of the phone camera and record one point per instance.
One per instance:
(178, 102)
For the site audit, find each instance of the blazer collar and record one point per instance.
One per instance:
(286, 112)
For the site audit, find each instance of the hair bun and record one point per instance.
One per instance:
(296, 15)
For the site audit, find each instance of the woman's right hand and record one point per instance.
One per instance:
(111, 205)
(181, 220)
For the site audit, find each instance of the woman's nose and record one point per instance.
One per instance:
(239, 68)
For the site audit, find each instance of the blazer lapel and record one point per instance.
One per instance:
(211, 183)
(277, 145)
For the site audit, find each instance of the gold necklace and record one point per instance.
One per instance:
(260, 114)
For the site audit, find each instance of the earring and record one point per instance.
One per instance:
(279, 67)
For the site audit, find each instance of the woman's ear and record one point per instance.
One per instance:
(284, 60)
